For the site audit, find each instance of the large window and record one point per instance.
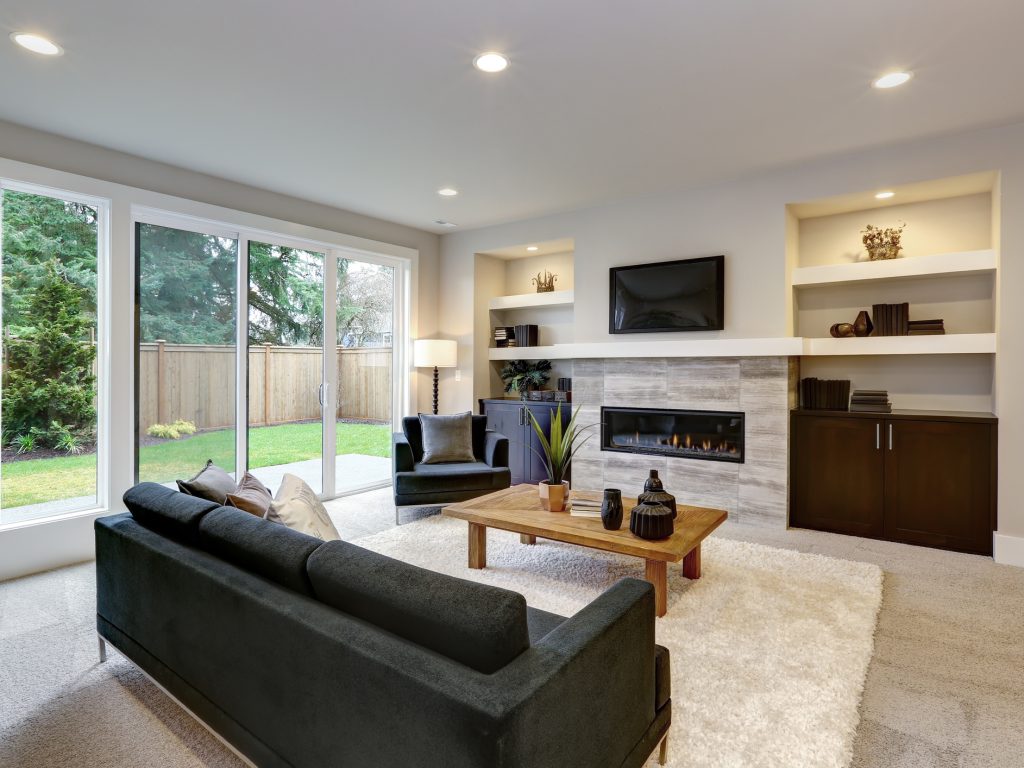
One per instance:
(50, 377)
(186, 284)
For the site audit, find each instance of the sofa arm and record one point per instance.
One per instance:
(401, 454)
(590, 681)
(496, 449)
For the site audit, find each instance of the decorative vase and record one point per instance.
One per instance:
(863, 326)
(651, 520)
(611, 509)
(653, 482)
(884, 252)
(553, 497)
(842, 330)
(660, 497)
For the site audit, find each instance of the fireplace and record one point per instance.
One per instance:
(707, 435)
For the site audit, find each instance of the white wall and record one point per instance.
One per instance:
(746, 220)
(40, 158)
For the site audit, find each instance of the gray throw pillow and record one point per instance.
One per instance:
(211, 483)
(447, 439)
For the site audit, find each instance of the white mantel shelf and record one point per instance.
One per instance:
(527, 300)
(937, 265)
(949, 344)
(777, 347)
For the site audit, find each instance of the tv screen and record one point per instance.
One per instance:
(684, 295)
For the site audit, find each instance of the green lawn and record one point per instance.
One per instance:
(39, 480)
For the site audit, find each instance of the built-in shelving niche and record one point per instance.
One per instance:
(947, 270)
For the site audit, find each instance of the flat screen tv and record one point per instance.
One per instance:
(687, 295)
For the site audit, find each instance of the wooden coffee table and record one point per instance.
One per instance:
(518, 509)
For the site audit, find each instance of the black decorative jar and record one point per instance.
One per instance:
(651, 520)
(653, 482)
(662, 497)
(611, 509)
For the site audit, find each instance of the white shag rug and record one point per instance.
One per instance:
(769, 649)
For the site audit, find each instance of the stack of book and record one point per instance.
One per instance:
(504, 336)
(585, 507)
(891, 319)
(870, 401)
(824, 395)
(927, 327)
(526, 335)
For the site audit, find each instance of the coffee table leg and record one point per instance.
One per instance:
(691, 563)
(527, 538)
(657, 574)
(477, 545)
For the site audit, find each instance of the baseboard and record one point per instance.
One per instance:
(1008, 550)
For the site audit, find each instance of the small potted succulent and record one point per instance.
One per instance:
(882, 243)
(557, 451)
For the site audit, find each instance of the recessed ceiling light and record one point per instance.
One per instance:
(491, 62)
(443, 223)
(531, 247)
(447, 192)
(884, 195)
(892, 79)
(37, 44)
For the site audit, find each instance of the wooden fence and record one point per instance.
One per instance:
(196, 382)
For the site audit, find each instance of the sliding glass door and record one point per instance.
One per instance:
(185, 367)
(286, 364)
(50, 378)
(265, 354)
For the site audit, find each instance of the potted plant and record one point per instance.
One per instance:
(520, 376)
(882, 243)
(557, 451)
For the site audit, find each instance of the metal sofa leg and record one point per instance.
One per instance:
(103, 648)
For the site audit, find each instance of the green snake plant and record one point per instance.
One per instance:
(558, 450)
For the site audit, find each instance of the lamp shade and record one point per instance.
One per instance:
(434, 353)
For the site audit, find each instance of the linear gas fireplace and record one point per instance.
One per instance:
(708, 435)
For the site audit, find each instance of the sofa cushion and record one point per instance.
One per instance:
(250, 496)
(447, 438)
(272, 551)
(168, 512)
(435, 478)
(211, 482)
(414, 436)
(297, 506)
(477, 625)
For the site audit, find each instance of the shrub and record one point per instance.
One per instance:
(49, 377)
(172, 431)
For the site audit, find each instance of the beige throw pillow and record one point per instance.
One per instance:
(297, 506)
(446, 438)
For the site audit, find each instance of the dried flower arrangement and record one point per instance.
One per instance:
(882, 243)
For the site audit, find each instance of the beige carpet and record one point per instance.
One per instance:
(769, 649)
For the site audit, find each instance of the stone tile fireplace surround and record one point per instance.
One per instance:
(763, 388)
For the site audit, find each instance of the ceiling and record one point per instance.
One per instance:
(373, 105)
(540, 248)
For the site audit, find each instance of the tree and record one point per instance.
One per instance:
(50, 387)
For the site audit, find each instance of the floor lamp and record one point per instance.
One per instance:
(434, 353)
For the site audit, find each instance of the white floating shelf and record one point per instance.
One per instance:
(948, 344)
(937, 265)
(527, 300)
(776, 347)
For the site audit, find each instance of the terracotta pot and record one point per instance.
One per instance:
(553, 497)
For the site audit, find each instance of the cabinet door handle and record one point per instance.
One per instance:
(890, 436)
(878, 437)
(522, 415)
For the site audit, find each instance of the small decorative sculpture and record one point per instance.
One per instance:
(860, 327)
(545, 282)
(882, 244)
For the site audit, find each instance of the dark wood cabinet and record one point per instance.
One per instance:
(511, 418)
(925, 478)
(839, 487)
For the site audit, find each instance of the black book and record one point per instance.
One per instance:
(904, 319)
(938, 321)
(927, 332)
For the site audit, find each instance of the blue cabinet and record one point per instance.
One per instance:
(511, 418)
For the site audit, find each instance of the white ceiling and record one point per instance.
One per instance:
(374, 105)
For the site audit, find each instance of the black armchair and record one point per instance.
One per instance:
(418, 485)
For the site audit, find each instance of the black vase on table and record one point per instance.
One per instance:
(653, 482)
(611, 509)
(661, 497)
(651, 520)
